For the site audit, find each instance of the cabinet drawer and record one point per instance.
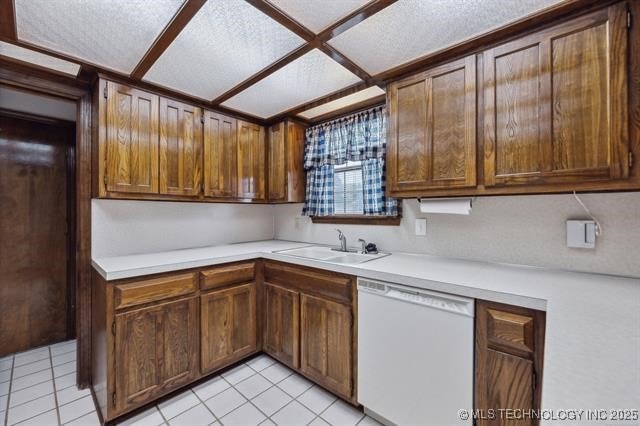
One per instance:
(151, 290)
(226, 275)
(510, 330)
(328, 284)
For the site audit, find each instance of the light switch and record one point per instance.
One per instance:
(581, 234)
(421, 227)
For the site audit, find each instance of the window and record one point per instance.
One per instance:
(347, 189)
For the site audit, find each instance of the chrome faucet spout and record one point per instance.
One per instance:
(363, 247)
(343, 240)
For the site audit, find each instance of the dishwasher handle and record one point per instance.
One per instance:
(445, 302)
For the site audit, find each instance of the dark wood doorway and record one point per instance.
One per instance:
(37, 232)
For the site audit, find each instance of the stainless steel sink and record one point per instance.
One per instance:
(328, 254)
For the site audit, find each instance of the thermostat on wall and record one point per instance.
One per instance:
(581, 233)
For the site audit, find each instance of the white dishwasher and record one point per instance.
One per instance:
(415, 354)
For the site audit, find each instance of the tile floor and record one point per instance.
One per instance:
(38, 388)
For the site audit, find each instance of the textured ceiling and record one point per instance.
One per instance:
(113, 34)
(307, 78)
(228, 42)
(409, 29)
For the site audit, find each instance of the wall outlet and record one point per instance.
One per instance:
(421, 227)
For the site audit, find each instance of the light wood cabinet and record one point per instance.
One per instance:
(556, 104)
(131, 140)
(282, 324)
(251, 161)
(220, 155)
(286, 174)
(432, 129)
(509, 354)
(326, 343)
(228, 325)
(180, 148)
(156, 351)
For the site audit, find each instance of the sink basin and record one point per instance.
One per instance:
(326, 254)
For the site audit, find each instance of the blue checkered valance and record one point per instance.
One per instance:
(358, 137)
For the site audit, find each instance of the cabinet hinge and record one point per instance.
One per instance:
(104, 179)
(628, 19)
(113, 328)
(104, 91)
(113, 399)
(630, 159)
(202, 119)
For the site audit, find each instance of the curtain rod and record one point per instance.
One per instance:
(350, 115)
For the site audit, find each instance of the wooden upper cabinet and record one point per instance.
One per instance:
(156, 350)
(286, 163)
(220, 155)
(326, 343)
(131, 163)
(180, 148)
(432, 129)
(228, 324)
(555, 104)
(282, 324)
(251, 161)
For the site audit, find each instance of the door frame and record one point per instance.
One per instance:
(22, 77)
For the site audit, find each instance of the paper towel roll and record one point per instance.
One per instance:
(446, 205)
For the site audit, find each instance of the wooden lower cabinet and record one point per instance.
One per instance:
(282, 324)
(509, 355)
(326, 343)
(156, 351)
(228, 326)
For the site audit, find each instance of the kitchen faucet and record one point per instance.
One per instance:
(343, 240)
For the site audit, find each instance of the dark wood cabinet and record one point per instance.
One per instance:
(228, 326)
(432, 129)
(286, 181)
(326, 343)
(251, 161)
(509, 355)
(180, 148)
(282, 324)
(156, 351)
(131, 140)
(220, 155)
(309, 324)
(556, 104)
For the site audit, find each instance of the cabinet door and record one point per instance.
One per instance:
(326, 343)
(509, 350)
(251, 161)
(220, 151)
(156, 350)
(277, 163)
(432, 129)
(131, 140)
(556, 104)
(180, 148)
(228, 326)
(282, 324)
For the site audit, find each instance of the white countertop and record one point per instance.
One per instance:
(592, 342)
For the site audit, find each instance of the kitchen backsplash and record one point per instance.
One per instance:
(121, 227)
(526, 230)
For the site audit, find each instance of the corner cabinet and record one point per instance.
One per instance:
(556, 104)
(552, 116)
(286, 183)
(251, 162)
(432, 129)
(509, 354)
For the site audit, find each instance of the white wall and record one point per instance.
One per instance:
(512, 229)
(120, 227)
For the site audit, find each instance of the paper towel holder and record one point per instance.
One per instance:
(446, 205)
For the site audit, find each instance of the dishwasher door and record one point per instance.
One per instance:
(415, 354)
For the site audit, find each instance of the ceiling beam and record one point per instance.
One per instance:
(345, 62)
(283, 19)
(349, 90)
(354, 18)
(300, 51)
(168, 35)
(8, 30)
